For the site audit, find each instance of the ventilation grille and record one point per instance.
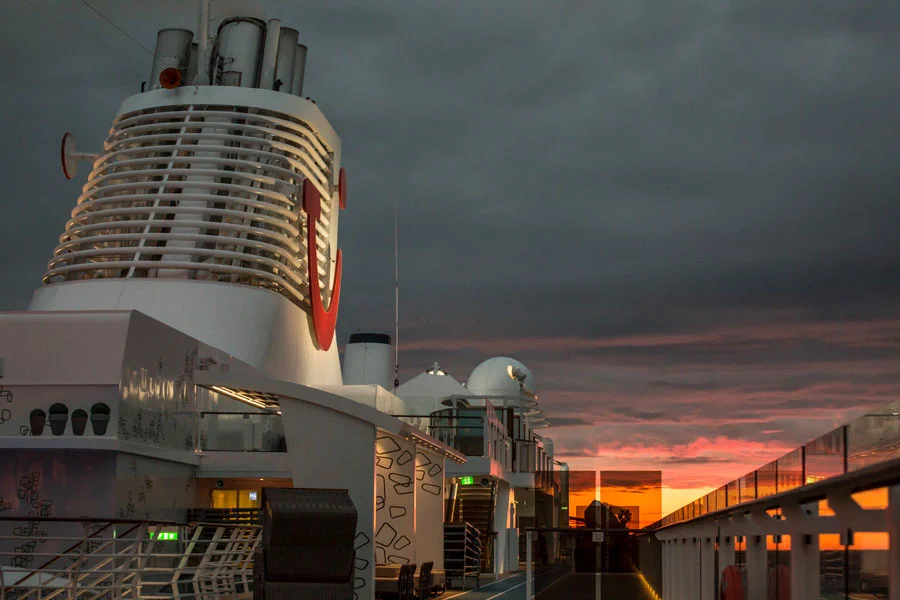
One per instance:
(205, 193)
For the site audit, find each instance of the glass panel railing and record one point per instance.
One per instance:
(747, 485)
(789, 470)
(241, 432)
(825, 456)
(765, 480)
(873, 438)
(721, 498)
(732, 493)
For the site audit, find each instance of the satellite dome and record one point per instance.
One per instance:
(501, 376)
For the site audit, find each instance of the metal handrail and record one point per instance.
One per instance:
(208, 561)
(880, 475)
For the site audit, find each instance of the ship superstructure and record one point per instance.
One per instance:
(220, 186)
(180, 354)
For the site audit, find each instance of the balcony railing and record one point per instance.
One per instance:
(871, 439)
(87, 559)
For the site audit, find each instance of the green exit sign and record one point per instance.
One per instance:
(467, 480)
(168, 536)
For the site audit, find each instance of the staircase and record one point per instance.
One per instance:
(477, 507)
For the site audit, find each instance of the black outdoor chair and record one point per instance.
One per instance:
(424, 589)
(407, 581)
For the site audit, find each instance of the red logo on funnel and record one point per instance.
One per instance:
(324, 320)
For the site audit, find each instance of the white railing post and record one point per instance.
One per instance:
(893, 531)
(757, 567)
(678, 570)
(804, 552)
(693, 556)
(726, 551)
(707, 568)
(528, 569)
(666, 569)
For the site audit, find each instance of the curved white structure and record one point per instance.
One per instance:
(502, 376)
(195, 215)
(368, 359)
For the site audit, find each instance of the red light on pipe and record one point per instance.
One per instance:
(170, 78)
(342, 188)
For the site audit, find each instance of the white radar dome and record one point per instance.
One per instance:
(501, 376)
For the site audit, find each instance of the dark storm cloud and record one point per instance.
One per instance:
(566, 171)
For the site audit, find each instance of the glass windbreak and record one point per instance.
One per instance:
(242, 432)
(790, 470)
(747, 485)
(733, 493)
(462, 429)
(874, 438)
(870, 439)
(765, 480)
(825, 456)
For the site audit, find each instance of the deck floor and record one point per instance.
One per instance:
(558, 583)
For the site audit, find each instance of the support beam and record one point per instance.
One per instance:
(726, 551)
(666, 591)
(893, 530)
(707, 568)
(757, 567)
(529, 592)
(693, 553)
(804, 551)
(804, 567)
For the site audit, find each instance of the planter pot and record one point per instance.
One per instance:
(79, 421)
(99, 418)
(36, 420)
(59, 416)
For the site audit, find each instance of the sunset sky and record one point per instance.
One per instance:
(682, 216)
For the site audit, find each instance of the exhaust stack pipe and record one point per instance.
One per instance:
(284, 66)
(299, 71)
(270, 55)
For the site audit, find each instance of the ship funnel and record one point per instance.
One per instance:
(368, 359)
(284, 65)
(173, 51)
(299, 70)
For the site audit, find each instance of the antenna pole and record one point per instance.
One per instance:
(396, 298)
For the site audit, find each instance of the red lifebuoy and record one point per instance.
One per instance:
(732, 584)
(780, 583)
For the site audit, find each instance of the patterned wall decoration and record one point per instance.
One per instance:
(37, 485)
(430, 508)
(359, 544)
(6, 397)
(149, 488)
(394, 500)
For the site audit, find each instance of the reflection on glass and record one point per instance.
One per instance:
(721, 497)
(765, 480)
(831, 566)
(582, 493)
(733, 493)
(242, 432)
(867, 569)
(636, 495)
(789, 470)
(825, 456)
(871, 439)
(747, 485)
(874, 438)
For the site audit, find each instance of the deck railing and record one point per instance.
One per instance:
(88, 559)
